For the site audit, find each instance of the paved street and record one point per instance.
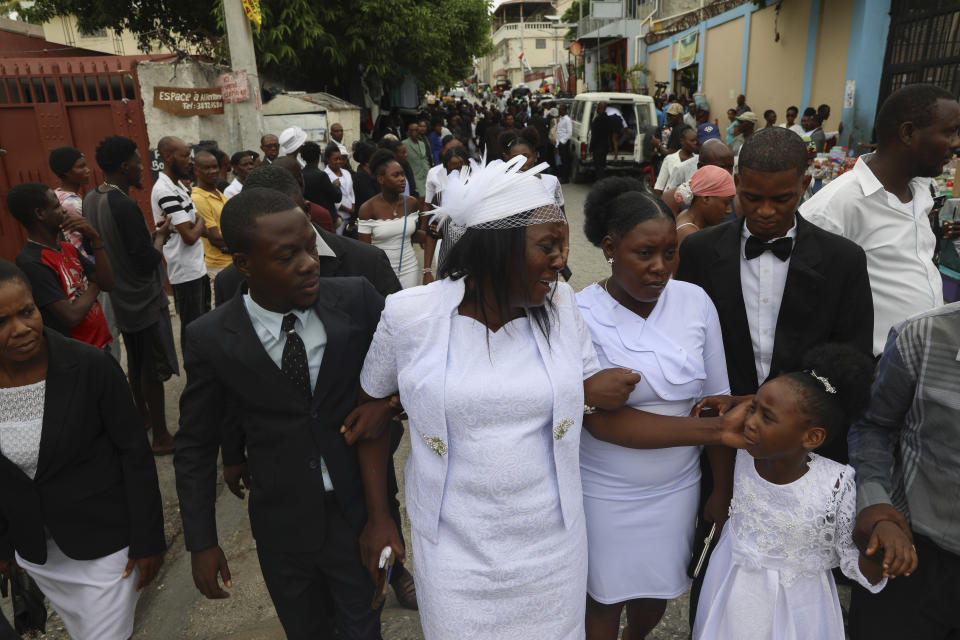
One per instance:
(172, 608)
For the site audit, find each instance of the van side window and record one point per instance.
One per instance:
(643, 115)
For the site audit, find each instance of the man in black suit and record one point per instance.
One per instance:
(338, 257)
(781, 285)
(284, 361)
(350, 257)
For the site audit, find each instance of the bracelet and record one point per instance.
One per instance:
(426, 270)
(588, 410)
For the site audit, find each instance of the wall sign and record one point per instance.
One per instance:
(188, 102)
(235, 86)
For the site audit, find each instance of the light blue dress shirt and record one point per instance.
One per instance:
(268, 326)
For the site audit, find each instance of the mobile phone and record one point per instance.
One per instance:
(383, 577)
(708, 412)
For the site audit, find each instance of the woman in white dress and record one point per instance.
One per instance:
(640, 465)
(490, 363)
(389, 220)
(80, 506)
(793, 512)
(335, 161)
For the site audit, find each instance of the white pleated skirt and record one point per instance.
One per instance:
(91, 597)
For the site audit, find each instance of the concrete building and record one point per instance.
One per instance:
(63, 30)
(849, 54)
(527, 42)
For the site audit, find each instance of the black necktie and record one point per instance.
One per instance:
(781, 247)
(294, 363)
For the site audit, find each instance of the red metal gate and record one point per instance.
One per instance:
(47, 103)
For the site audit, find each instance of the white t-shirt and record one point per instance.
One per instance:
(184, 261)
(233, 189)
(797, 129)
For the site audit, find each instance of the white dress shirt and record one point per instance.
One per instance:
(762, 280)
(564, 129)
(896, 237)
(268, 326)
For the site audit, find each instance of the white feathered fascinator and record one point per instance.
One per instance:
(496, 196)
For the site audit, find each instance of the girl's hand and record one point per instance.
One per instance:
(717, 508)
(899, 554)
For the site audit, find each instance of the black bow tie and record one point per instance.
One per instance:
(781, 247)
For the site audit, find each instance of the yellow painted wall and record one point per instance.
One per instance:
(659, 64)
(775, 68)
(829, 69)
(722, 54)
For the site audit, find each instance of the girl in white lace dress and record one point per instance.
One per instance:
(793, 512)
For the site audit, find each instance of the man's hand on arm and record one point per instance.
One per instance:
(371, 418)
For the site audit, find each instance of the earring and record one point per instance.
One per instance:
(610, 260)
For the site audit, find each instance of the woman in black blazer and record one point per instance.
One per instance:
(80, 505)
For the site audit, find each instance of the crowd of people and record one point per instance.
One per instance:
(689, 422)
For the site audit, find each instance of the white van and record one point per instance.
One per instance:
(640, 115)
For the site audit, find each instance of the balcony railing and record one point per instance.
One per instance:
(512, 30)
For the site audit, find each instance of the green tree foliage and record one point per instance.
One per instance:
(572, 16)
(312, 43)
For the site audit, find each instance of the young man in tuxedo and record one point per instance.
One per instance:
(780, 284)
(283, 360)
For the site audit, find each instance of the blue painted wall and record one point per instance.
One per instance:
(868, 45)
(812, 28)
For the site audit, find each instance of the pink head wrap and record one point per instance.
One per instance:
(712, 181)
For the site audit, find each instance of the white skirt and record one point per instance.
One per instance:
(90, 596)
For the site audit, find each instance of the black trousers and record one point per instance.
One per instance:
(922, 606)
(192, 300)
(600, 163)
(300, 582)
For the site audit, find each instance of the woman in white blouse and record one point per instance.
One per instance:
(640, 465)
(80, 506)
(490, 363)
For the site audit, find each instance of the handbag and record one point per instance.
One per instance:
(29, 609)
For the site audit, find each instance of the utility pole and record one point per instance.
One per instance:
(246, 117)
